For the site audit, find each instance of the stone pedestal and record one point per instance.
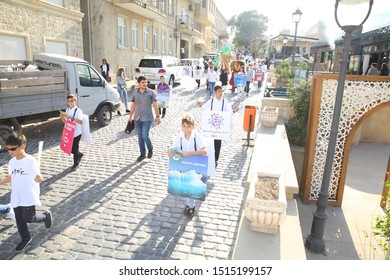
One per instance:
(269, 116)
(266, 213)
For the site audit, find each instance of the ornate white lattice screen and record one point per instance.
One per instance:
(360, 96)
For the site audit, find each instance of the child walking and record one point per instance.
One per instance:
(191, 144)
(24, 176)
(74, 114)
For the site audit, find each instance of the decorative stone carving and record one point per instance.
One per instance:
(266, 204)
(269, 116)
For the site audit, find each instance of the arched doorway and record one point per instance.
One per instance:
(363, 96)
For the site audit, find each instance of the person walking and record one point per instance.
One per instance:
(249, 78)
(384, 70)
(24, 176)
(223, 77)
(190, 143)
(219, 104)
(121, 88)
(211, 78)
(74, 114)
(105, 70)
(161, 87)
(373, 71)
(142, 101)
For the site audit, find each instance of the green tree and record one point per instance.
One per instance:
(248, 25)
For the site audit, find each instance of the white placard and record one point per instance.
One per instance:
(216, 124)
(86, 133)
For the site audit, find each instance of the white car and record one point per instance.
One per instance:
(153, 67)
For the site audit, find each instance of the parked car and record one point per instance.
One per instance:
(153, 67)
(189, 65)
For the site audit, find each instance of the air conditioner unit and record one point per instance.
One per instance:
(192, 7)
(176, 34)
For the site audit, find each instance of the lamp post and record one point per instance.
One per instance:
(285, 40)
(296, 17)
(315, 241)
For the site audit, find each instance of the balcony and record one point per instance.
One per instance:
(186, 25)
(203, 15)
(200, 43)
(223, 35)
(147, 8)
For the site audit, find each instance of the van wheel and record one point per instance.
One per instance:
(171, 81)
(104, 115)
(5, 131)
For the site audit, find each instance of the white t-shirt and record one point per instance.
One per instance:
(78, 115)
(24, 190)
(216, 105)
(189, 145)
(212, 76)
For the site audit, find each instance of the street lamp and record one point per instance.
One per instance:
(315, 241)
(296, 17)
(285, 40)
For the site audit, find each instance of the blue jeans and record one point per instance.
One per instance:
(142, 129)
(123, 94)
(4, 209)
(211, 87)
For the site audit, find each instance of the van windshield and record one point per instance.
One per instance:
(150, 63)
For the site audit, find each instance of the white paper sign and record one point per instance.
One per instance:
(216, 124)
(198, 74)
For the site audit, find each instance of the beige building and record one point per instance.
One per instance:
(124, 31)
(29, 27)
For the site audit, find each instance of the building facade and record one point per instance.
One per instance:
(36, 26)
(124, 31)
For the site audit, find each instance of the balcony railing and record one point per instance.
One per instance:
(148, 8)
(188, 25)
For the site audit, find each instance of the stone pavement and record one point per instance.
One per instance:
(115, 208)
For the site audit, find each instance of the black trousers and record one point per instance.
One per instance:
(217, 148)
(247, 87)
(75, 149)
(24, 215)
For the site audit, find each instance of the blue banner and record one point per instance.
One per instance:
(188, 176)
(239, 80)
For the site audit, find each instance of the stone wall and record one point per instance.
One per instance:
(39, 22)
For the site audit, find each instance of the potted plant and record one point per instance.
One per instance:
(266, 204)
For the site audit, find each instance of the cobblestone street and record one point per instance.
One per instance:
(113, 207)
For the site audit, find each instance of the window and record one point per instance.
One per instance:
(170, 44)
(146, 38)
(56, 2)
(16, 44)
(162, 6)
(155, 40)
(56, 47)
(163, 41)
(204, 3)
(134, 35)
(121, 32)
(170, 7)
(88, 76)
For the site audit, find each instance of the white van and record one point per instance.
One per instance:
(153, 67)
(96, 97)
(32, 96)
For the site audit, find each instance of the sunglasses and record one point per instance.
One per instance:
(13, 149)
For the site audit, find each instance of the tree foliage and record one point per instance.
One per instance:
(248, 25)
